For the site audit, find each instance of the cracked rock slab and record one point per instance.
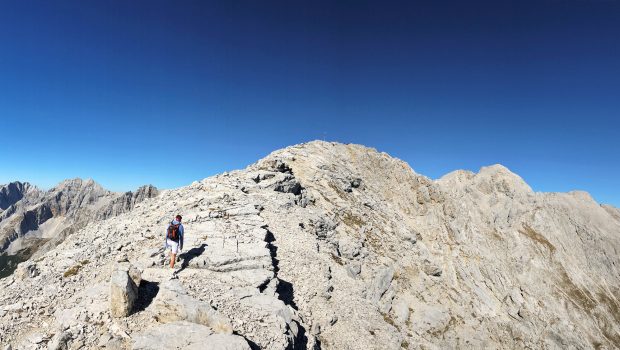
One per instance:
(187, 336)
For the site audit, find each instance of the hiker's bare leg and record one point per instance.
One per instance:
(173, 258)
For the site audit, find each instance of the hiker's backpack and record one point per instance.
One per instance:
(173, 232)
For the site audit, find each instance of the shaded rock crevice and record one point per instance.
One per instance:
(285, 292)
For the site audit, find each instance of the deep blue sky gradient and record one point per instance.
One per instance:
(168, 92)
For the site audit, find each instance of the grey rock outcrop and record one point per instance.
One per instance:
(123, 294)
(26, 270)
(332, 246)
(380, 284)
(59, 341)
(173, 304)
(187, 335)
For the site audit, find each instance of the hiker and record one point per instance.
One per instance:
(174, 238)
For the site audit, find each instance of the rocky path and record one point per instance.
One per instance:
(227, 269)
(228, 262)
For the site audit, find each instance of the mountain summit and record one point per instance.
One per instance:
(330, 246)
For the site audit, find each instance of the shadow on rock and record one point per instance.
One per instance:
(286, 293)
(253, 345)
(301, 342)
(147, 291)
(191, 254)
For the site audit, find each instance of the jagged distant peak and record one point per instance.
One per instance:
(13, 192)
(146, 188)
(500, 173)
(498, 170)
(73, 201)
(494, 170)
(17, 185)
(79, 185)
(77, 181)
(492, 178)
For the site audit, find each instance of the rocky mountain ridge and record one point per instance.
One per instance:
(12, 193)
(331, 246)
(31, 216)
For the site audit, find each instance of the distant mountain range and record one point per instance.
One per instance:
(32, 218)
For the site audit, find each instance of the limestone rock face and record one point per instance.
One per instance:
(126, 202)
(332, 246)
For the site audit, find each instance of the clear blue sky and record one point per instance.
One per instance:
(168, 92)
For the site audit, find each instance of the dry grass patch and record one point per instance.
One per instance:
(530, 233)
(337, 259)
(73, 270)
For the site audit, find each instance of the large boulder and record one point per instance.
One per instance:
(173, 304)
(26, 270)
(134, 273)
(123, 290)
